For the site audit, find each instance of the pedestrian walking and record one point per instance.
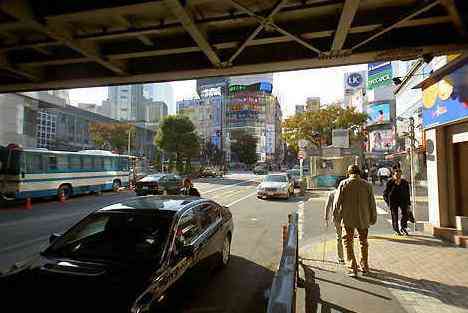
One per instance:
(355, 208)
(188, 189)
(338, 228)
(397, 197)
(373, 174)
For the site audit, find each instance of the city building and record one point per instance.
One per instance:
(440, 108)
(200, 113)
(299, 108)
(91, 107)
(164, 92)
(312, 104)
(127, 102)
(18, 120)
(155, 113)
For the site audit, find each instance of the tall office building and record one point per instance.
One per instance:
(165, 93)
(127, 102)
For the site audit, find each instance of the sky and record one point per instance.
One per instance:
(291, 88)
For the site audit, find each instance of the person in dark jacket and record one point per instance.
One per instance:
(397, 195)
(188, 189)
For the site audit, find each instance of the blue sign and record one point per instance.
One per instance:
(447, 100)
(355, 79)
(378, 113)
(266, 87)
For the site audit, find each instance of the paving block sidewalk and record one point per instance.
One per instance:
(420, 273)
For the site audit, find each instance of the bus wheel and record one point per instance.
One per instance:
(66, 190)
(116, 185)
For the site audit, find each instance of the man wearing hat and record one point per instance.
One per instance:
(355, 207)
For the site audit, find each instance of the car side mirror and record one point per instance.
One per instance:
(53, 237)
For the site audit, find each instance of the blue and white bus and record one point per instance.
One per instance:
(34, 173)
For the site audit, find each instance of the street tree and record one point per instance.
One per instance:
(244, 146)
(111, 136)
(317, 126)
(176, 136)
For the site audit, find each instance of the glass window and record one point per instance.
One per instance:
(87, 162)
(52, 163)
(75, 162)
(99, 163)
(209, 213)
(34, 163)
(189, 228)
(108, 164)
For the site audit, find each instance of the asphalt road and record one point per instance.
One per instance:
(256, 244)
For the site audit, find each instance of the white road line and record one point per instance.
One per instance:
(300, 213)
(241, 199)
(228, 186)
(381, 211)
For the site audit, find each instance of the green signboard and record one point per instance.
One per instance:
(379, 75)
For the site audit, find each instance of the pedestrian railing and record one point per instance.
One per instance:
(282, 297)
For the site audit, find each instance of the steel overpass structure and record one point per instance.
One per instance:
(58, 44)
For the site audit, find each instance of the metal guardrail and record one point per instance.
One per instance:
(283, 289)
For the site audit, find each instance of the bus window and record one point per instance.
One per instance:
(108, 164)
(123, 164)
(52, 163)
(75, 162)
(62, 162)
(33, 163)
(87, 163)
(99, 163)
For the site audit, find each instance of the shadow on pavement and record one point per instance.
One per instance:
(448, 294)
(240, 287)
(331, 291)
(414, 240)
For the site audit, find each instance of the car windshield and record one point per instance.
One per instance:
(115, 236)
(276, 178)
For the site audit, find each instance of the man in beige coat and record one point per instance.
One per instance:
(354, 206)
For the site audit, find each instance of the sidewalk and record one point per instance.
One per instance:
(414, 274)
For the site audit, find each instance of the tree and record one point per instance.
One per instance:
(176, 136)
(111, 136)
(244, 146)
(317, 126)
(211, 153)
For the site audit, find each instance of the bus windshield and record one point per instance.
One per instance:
(9, 161)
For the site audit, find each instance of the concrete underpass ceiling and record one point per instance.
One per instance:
(66, 44)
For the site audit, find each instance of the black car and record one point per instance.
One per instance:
(156, 184)
(123, 257)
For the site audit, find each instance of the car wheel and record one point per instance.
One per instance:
(65, 190)
(225, 255)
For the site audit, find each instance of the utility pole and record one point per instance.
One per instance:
(412, 169)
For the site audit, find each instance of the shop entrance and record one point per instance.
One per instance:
(461, 179)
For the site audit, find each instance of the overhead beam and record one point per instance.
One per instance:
(257, 30)
(422, 9)
(18, 71)
(127, 24)
(279, 66)
(230, 44)
(457, 21)
(344, 25)
(21, 10)
(265, 21)
(197, 35)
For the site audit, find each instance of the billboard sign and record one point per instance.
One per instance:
(340, 138)
(382, 140)
(270, 139)
(379, 75)
(355, 80)
(379, 113)
(261, 86)
(447, 100)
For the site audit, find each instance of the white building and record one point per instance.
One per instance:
(165, 93)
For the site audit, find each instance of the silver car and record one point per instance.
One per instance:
(275, 186)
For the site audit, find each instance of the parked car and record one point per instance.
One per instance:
(123, 257)
(260, 170)
(295, 177)
(275, 186)
(156, 184)
(208, 172)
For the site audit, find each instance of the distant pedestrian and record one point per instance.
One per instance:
(336, 223)
(373, 174)
(355, 208)
(397, 195)
(383, 173)
(188, 189)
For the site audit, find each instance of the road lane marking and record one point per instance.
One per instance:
(241, 199)
(228, 186)
(300, 213)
